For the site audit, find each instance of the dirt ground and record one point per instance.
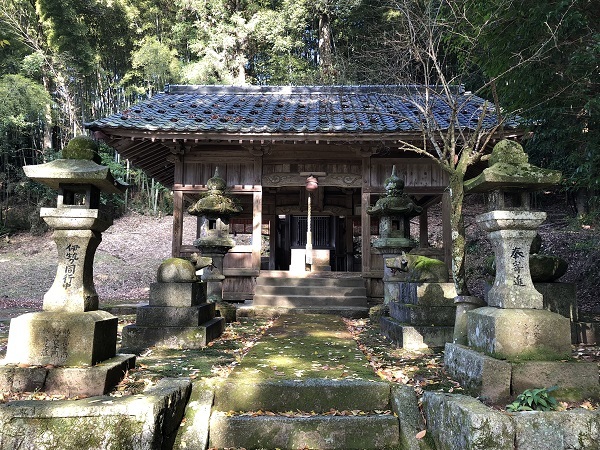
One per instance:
(132, 249)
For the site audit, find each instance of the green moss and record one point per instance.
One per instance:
(425, 263)
(82, 147)
(510, 152)
(107, 432)
(296, 349)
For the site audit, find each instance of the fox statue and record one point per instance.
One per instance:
(419, 268)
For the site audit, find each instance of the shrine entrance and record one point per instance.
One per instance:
(329, 233)
(334, 227)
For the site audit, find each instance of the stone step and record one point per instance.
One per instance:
(311, 291)
(296, 301)
(351, 312)
(317, 395)
(309, 281)
(322, 432)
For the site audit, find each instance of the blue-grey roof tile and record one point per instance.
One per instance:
(269, 109)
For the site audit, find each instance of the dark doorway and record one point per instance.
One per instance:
(328, 232)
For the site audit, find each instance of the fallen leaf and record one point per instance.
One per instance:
(421, 434)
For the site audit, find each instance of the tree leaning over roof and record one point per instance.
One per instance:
(420, 30)
(423, 30)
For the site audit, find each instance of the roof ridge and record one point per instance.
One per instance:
(294, 90)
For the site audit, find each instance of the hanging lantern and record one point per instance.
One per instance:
(312, 183)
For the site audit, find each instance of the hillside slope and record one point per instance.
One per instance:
(132, 249)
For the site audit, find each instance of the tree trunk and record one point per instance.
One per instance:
(325, 47)
(457, 224)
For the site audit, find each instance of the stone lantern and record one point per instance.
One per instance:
(513, 342)
(214, 210)
(394, 212)
(71, 331)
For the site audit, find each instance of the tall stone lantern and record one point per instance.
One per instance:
(214, 210)
(71, 331)
(394, 211)
(513, 343)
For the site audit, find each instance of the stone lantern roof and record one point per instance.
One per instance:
(510, 170)
(75, 171)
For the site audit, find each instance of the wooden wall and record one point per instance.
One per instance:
(249, 171)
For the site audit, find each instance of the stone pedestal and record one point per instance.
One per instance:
(512, 232)
(519, 334)
(391, 248)
(422, 317)
(177, 316)
(62, 339)
(212, 275)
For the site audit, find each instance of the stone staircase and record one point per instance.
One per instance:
(296, 415)
(320, 293)
(335, 402)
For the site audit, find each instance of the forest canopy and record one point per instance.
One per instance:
(65, 62)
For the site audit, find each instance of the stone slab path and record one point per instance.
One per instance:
(306, 384)
(305, 346)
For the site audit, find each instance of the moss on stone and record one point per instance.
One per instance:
(509, 152)
(82, 147)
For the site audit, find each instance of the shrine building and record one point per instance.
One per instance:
(268, 140)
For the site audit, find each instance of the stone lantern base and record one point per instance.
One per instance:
(519, 334)
(511, 350)
(59, 352)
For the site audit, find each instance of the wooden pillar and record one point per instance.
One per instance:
(256, 228)
(447, 229)
(177, 223)
(257, 205)
(272, 241)
(424, 229)
(365, 219)
(177, 235)
(349, 244)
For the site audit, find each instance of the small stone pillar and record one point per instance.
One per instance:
(71, 331)
(214, 210)
(394, 211)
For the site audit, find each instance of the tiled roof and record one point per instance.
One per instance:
(268, 110)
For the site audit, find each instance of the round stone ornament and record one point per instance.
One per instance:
(176, 270)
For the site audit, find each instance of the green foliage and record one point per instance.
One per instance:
(157, 62)
(23, 103)
(543, 58)
(534, 400)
